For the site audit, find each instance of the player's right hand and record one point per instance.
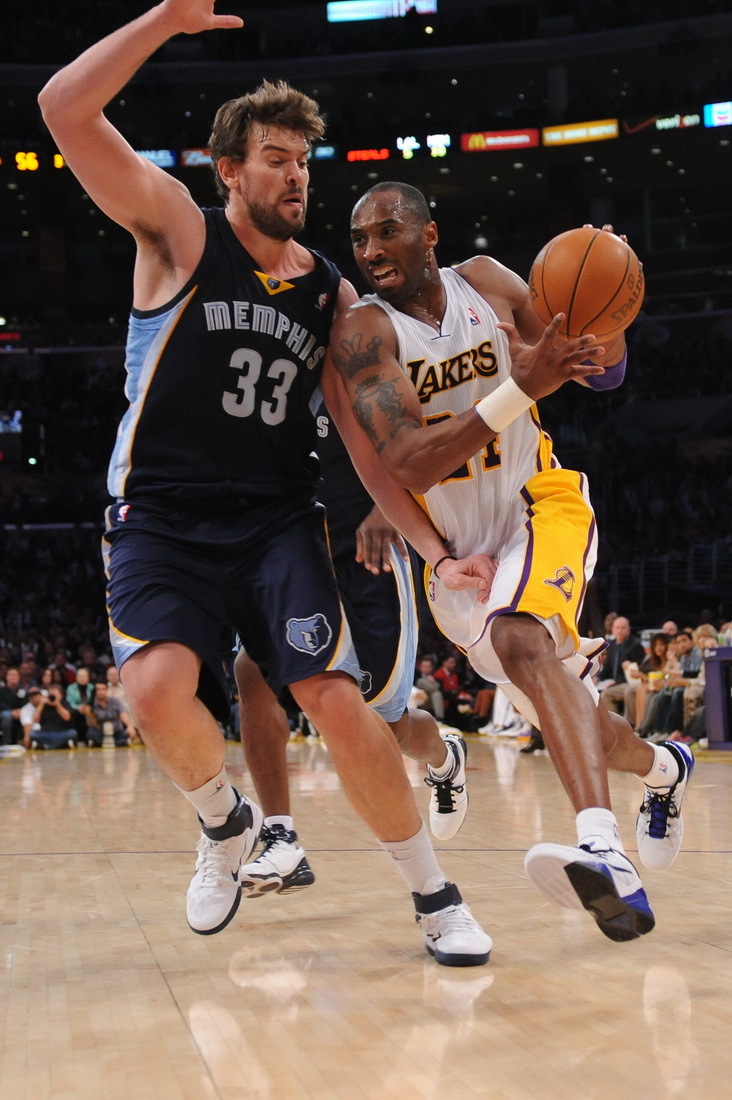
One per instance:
(476, 571)
(193, 16)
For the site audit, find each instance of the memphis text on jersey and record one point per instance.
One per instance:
(431, 378)
(252, 317)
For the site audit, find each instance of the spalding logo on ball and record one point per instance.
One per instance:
(592, 277)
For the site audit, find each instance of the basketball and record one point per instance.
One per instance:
(592, 277)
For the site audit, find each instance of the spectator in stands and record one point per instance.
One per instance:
(427, 683)
(689, 687)
(625, 647)
(654, 665)
(450, 687)
(28, 672)
(13, 696)
(79, 697)
(90, 660)
(664, 712)
(53, 724)
(105, 708)
(61, 661)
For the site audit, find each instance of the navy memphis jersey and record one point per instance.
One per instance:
(223, 384)
(346, 501)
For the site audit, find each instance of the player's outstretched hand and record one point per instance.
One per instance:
(374, 539)
(193, 16)
(476, 571)
(540, 369)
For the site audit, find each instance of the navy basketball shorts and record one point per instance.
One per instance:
(381, 611)
(177, 577)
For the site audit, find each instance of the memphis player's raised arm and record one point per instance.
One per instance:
(399, 506)
(156, 208)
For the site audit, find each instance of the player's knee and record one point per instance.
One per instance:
(156, 682)
(521, 642)
(326, 696)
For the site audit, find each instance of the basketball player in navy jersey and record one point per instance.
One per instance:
(215, 520)
(437, 370)
(376, 584)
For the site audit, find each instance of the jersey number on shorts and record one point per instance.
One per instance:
(490, 456)
(273, 406)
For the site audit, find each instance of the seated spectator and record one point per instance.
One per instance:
(53, 724)
(689, 691)
(61, 662)
(625, 646)
(655, 665)
(664, 714)
(96, 667)
(104, 708)
(448, 678)
(426, 682)
(13, 696)
(79, 697)
(117, 691)
(116, 688)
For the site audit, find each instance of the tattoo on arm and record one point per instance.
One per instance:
(353, 359)
(375, 395)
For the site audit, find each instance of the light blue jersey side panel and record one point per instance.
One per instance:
(146, 340)
(394, 699)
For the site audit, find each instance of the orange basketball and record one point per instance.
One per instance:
(592, 277)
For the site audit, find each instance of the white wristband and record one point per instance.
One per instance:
(500, 408)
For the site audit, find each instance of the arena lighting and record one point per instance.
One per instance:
(718, 114)
(352, 11)
(324, 152)
(367, 154)
(195, 158)
(164, 158)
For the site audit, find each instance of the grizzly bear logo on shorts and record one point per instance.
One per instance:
(310, 635)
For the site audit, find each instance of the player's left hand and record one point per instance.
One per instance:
(476, 571)
(374, 539)
(606, 228)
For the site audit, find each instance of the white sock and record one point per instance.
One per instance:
(445, 768)
(214, 800)
(665, 770)
(416, 862)
(597, 823)
(280, 819)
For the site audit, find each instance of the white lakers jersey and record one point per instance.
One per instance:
(478, 507)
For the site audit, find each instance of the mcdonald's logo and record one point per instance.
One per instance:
(484, 140)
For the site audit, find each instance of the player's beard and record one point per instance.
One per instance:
(273, 224)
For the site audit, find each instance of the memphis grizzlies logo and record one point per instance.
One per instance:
(563, 579)
(366, 683)
(310, 635)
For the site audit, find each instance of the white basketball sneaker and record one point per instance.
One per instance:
(449, 930)
(449, 798)
(659, 827)
(281, 866)
(214, 894)
(596, 878)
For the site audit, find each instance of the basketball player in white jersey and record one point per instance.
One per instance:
(443, 368)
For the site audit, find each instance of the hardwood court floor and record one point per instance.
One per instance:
(106, 994)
